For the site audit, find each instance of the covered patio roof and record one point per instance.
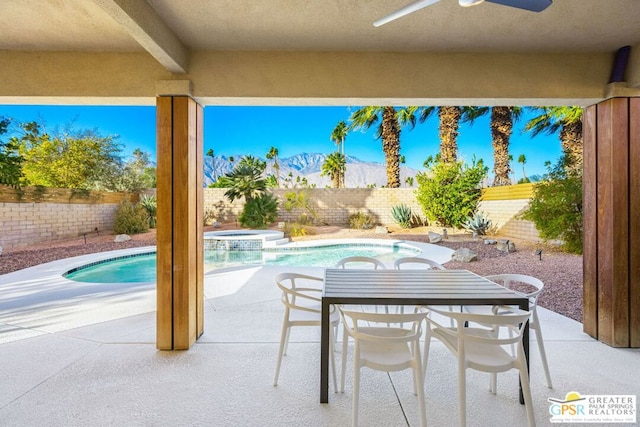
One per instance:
(314, 52)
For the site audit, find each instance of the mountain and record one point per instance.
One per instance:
(308, 165)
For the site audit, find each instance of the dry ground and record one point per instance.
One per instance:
(560, 272)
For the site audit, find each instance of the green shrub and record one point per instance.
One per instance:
(361, 221)
(478, 223)
(556, 207)
(402, 215)
(296, 230)
(150, 204)
(130, 219)
(259, 212)
(209, 216)
(449, 192)
(300, 200)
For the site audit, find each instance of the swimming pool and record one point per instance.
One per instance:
(142, 267)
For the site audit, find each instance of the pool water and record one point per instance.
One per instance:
(142, 268)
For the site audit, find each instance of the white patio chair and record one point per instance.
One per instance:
(303, 307)
(483, 349)
(383, 348)
(417, 263)
(361, 262)
(508, 280)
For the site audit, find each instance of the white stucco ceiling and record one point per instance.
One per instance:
(327, 25)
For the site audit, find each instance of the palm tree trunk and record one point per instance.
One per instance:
(571, 142)
(501, 129)
(449, 123)
(391, 146)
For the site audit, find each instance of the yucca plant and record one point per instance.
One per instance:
(478, 223)
(150, 204)
(402, 215)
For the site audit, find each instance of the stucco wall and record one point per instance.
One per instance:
(504, 216)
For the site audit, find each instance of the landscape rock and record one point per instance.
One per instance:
(216, 224)
(464, 255)
(505, 245)
(381, 229)
(490, 242)
(122, 238)
(434, 237)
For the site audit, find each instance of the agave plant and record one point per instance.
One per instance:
(402, 215)
(478, 223)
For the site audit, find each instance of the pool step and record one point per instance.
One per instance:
(275, 240)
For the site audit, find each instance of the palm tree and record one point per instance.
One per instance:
(502, 119)
(245, 180)
(213, 162)
(567, 120)
(522, 159)
(334, 166)
(450, 118)
(339, 134)
(273, 155)
(391, 121)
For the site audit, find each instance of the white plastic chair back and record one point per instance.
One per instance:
(384, 348)
(361, 262)
(483, 349)
(302, 298)
(417, 263)
(534, 288)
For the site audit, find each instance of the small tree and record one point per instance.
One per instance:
(448, 192)
(556, 206)
(10, 160)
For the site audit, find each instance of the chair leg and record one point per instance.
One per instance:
(493, 382)
(345, 343)
(356, 388)
(332, 346)
(425, 360)
(418, 384)
(284, 336)
(462, 392)
(286, 342)
(526, 390)
(543, 353)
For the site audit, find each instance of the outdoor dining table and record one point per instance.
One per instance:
(408, 287)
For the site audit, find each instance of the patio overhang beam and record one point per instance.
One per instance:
(144, 25)
(313, 78)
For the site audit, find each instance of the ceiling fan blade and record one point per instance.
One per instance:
(532, 5)
(410, 8)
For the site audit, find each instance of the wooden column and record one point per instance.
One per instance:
(180, 276)
(611, 202)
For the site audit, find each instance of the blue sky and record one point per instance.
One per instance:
(253, 130)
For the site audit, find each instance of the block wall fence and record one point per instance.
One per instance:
(33, 217)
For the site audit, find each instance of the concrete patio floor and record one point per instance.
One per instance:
(91, 361)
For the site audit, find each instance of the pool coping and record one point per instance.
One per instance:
(60, 267)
